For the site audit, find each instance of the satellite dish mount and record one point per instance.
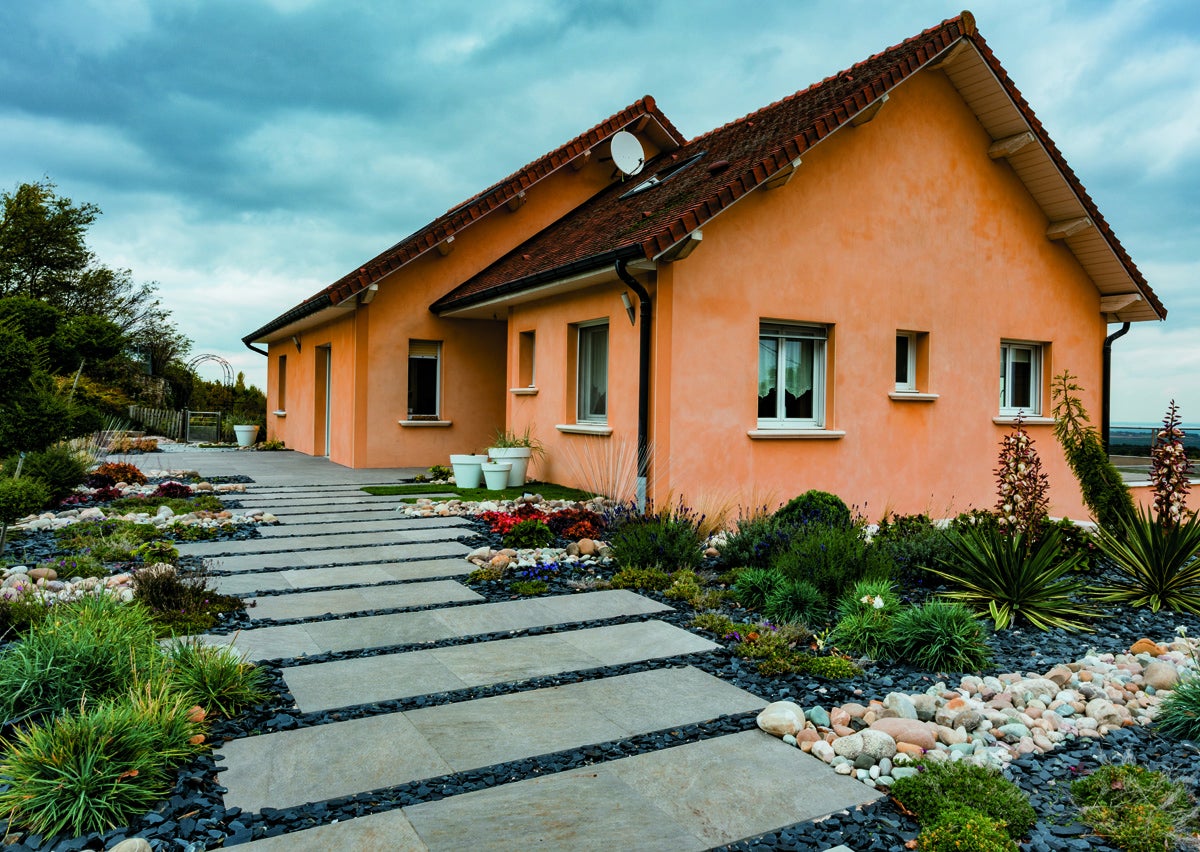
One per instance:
(627, 153)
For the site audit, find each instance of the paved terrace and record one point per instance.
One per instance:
(344, 552)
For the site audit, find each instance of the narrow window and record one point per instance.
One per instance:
(791, 376)
(526, 363)
(423, 378)
(1020, 378)
(906, 361)
(281, 383)
(592, 388)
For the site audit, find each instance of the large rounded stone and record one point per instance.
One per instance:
(1145, 646)
(877, 744)
(1159, 673)
(132, 844)
(848, 747)
(906, 730)
(781, 717)
(901, 705)
(926, 706)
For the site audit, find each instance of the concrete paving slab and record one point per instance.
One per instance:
(337, 556)
(390, 831)
(316, 498)
(310, 764)
(248, 582)
(590, 812)
(342, 683)
(387, 521)
(292, 767)
(309, 604)
(376, 631)
(362, 538)
(322, 516)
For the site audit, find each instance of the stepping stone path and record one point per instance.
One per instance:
(394, 584)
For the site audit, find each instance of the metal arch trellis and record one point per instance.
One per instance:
(226, 369)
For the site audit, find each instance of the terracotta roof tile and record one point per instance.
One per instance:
(753, 148)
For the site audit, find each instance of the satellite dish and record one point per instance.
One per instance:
(627, 152)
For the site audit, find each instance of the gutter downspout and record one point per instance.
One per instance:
(1106, 392)
(643, 422)
(254, 348)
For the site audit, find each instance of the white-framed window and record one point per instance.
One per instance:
(791, 375)
(906, 361)
(1020, 378)
(424, 379)
(591, 390)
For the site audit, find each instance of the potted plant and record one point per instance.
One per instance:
(496, 474)
(467, 470)
(516, 449)
(246, 433)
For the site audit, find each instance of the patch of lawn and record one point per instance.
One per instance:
(548, 490)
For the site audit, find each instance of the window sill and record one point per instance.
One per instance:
(1011, 420)
(426, 422)
(529, 391)
(796, 434)
(584, 429)
(280, 413)
(912, 396)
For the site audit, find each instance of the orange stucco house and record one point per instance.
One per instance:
(855, 289)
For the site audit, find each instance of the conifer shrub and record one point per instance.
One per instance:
(814, 507)
(21, 497)
(58, 467)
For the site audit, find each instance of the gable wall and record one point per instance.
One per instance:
(903, 223)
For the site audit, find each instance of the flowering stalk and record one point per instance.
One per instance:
(1021, 485)
(1169, 466)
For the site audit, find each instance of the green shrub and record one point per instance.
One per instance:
(97, 768)
(939, 787)
(85, 649)
(752, 586)
(940, 636)
(1136, 809)
(877, 596)
(669, 539)
(21, 497)
(20, 615)
(654, 579)
(158, 551)
(216, 677)
(814, 508)
(178, 505)
(714, 622)
(685, 586)
(1179, 714)
(527, 534)
(796, 601)
(961, 828)
(58, 467)
(830, 667)
(755, 542)
(777, 649)
(1007, 576)
(529, 587)
(486, 574)
(130, 474)
(180, 601)
(1160, 563)
(914, 543)
(864, 633)
(833, 559)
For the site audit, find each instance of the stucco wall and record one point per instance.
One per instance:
(903, 223)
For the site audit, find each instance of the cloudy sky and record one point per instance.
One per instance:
(246, 153)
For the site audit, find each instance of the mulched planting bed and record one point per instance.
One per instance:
(194, 816)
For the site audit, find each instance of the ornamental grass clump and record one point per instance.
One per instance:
(84, 650)
(940, 637)
(752, 586)
(796, 601)
(865, 615)
(100, 765)
(215, 677)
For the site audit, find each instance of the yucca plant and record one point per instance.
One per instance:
(1009, 576)
(1161, 563)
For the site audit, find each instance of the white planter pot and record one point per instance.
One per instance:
(245, 435)
(495, 474)
(467, 471)
(518, 457)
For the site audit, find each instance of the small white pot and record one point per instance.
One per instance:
(467, 471)
(518, 457)
(495, 474)
(246, 435)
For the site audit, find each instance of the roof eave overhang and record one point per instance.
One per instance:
(296, 321)
(494, 302)
(1072, 217)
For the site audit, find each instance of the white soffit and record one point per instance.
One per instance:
(1001, 118)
